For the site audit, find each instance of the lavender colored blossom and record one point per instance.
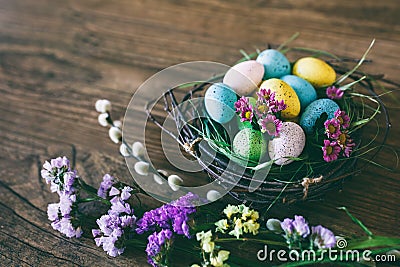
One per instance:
(334, 93)
(287, 226)
(322, 237)
(157, 242)
(331, 150)
(105, 186)
(301, 226)
(59, 175)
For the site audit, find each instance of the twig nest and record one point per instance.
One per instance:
(138, 149)
(275, 63)
(103, 106)
(304, 90)
(142, 168)
(115, 134)
(102, 118)
(313, 111)
(123, 149)
(220, 102)
(213, 195)
(250, 144)
(174, 181)
(315, 71)
(289, 144)
(244, 77)
(284, 92)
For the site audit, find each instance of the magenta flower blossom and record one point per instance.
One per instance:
(279, 106)
(332, 128)
(334, 92)
(322, 237)
(331, 150)
(343, 118)
(346, 144)
(271, 125)
(265, 96)
(244, 108)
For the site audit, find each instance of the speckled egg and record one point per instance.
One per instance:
(275, 63)
(244, 77)
(247, 124)
(219, 102)
(313, 111)
(315, 71)
(304, 90)
(289, 144)
(250, 143)
(284, 92)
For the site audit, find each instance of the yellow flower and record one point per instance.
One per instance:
(208, 246)
(238, 230)
(218, 260)
(222, 226)
(251, 227)
(230, 209)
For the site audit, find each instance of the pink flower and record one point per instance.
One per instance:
(334, 93)
(332, 128)
(343, 118)
(271, 125)
(244, 108)
(331, 150)
(346, 144)
(266, 96)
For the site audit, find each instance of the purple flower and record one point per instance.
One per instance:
(301, 226)
(265, 96)
(271, 125)
(322, 237)
(331, 150)
(279, 106)
(287, 226)
(157, 246)
(343, 118)
(334, 93)
(64, 226)
(58, 174)
(244, 108)
(106, 184)
(346, 144)
(332, 128)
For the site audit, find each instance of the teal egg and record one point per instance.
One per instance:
(250, 144)
(275, 63)
(313, 111)
(220, 101)
(304, 90)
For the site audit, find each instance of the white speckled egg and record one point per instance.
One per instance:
(244, 77)
(220, 101)
(290, 143)
(250, 144)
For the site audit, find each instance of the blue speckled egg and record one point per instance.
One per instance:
(275, 63)
(304, 90)
(312, 113)
(220, 102)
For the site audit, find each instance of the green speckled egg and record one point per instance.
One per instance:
(249, 143)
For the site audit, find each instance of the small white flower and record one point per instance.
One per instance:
(138, 149)
(102, 118)
(142, 168)
(123, 149)
(213, 195)
(158, 179)
(174, 181)
(115, 134)
(103, 105)
(118, 124)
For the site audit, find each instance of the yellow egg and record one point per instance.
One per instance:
(284, 92)
(315, 71)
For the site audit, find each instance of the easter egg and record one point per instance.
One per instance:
(315, 71)
(275, 63)
(247, 124)
(289, 144)
(304, 90)
(249, 144)
(313, 111)
(284, 92)
(219, 101)
(244, 77)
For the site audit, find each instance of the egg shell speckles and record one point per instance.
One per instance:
(290, 143)
(284, 92)
(315, 71)
(249, 143)
(220, 101)
(304, 90)
(315, 110)
(275, 63)
(244, 77)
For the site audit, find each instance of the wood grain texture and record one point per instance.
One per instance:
(58, 57)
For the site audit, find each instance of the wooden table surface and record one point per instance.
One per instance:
(58, 57)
